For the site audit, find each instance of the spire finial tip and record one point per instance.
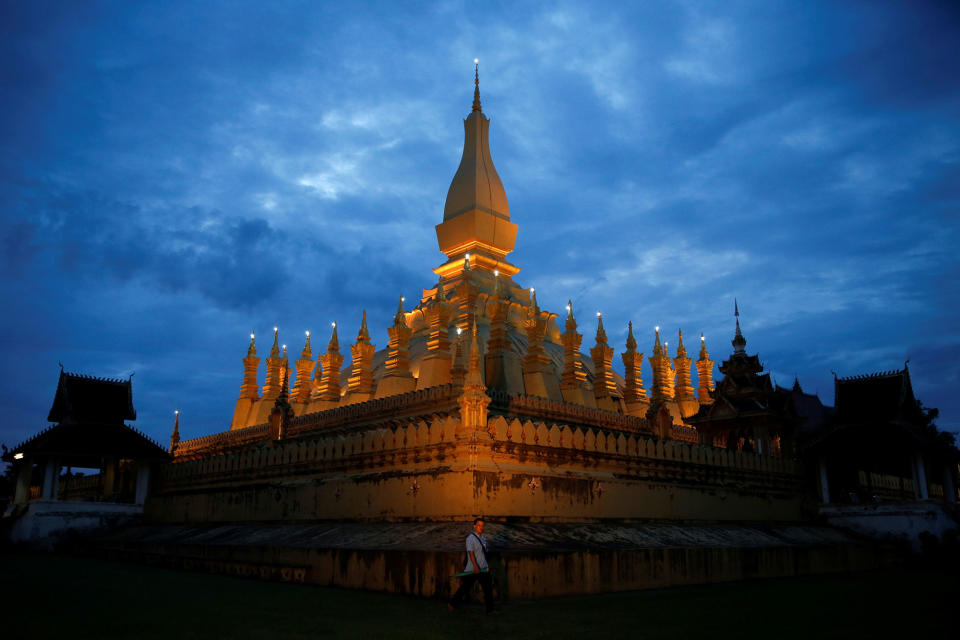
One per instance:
(476, 85)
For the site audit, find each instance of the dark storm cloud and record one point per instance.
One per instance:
(230, 262)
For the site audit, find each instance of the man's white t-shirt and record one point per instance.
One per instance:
(477, 544)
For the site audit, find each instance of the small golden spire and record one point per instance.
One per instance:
(364, 335)
(400, 319)
(533, 301)
(275, 349)
(703, 348)
(334, 341)
(473, 377)
(601, 334)
(284, 396)
(631, 341)
(441, 296)
(681, 350)
(252, 351)
(476, 83)
(307, 352)
(657, 348)
(175, 436)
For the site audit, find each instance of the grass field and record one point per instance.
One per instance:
(49, 596)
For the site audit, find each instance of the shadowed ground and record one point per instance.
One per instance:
(60, 596)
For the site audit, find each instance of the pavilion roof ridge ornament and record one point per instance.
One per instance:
(739, 342)
(872, 376)
(84, 376)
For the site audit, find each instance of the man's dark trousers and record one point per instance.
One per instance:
(466, 583)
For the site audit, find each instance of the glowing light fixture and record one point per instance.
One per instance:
(402, 299)
(333, 324)
(308, 334)
(18, 456)
(599, 314)
(496, 273)
(251, 336)
(274, 329)
(657, 328)
(459, 330)
(476, 61)
(176, 412)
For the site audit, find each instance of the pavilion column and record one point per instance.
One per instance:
(824, 485)
(51, 479)
(143, 482)
(919, 477)
(109, 477)
(22, 491)
(762, 441)
(949, 491)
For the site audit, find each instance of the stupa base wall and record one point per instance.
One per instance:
(445, 495)
(439, 471)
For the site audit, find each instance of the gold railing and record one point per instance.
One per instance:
(80, 487)
(886, 486)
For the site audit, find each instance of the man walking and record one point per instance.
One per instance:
(476, 569)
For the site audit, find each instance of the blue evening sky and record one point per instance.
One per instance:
(175, 174)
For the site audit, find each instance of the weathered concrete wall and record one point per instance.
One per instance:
(533, 575)
(44, 522)
(898, 522)
(352, 555)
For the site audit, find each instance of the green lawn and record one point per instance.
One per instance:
(46, 596)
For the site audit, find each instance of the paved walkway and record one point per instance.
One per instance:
(47, 596)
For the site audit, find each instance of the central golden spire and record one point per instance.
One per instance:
(476, 216)
(476, 85)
